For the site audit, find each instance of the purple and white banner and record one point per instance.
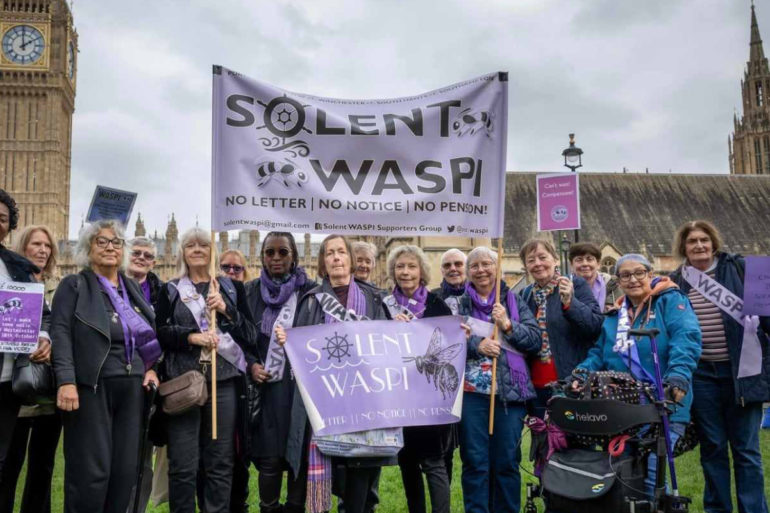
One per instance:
(355, 376)
(558, 202)
(21, 308)
(430, 164)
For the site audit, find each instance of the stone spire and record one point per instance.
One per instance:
(757, 53)
(223, 241)
(172, 234)
(139, 230)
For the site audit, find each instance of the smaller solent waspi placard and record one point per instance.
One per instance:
(558, 202)
(429, 164)
(356, 376)
(21, 308)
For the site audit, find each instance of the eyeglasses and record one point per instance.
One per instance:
(102, 242)
(146, 254)
(284, 252)
(482, 265)
(227, 268)
(639, 274)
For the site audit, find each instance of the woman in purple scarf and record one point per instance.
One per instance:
(353, 477)
(499, 454)
(104, 356)
(271, 298)
(425, 447)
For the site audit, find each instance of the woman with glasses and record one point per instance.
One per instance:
(649, 302)
(728, 393)
(567, 313)
(185, 335)
(104, 353)
(141, 260)
(490, 478)
(272, 299)
(233, 264)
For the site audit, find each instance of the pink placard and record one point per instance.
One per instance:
(558, 202)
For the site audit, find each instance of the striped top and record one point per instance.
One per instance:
(711, 325)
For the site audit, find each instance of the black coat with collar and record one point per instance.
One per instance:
(80, 327)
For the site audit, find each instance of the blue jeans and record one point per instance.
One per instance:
(498, 454)
(720, 421)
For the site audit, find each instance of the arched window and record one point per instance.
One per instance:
(608, 265)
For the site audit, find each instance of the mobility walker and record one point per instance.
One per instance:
(609, 441)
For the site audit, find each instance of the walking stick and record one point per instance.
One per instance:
(149, 402)
(498, 281)
(213, 327)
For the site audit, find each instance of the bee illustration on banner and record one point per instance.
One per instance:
(470, 121)
(12, 304)
(436, 363)
(282, 171)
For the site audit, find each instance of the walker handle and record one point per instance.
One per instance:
(638, 332)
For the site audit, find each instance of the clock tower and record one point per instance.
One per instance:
(38, 71)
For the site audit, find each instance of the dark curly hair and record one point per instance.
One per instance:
(13, 210)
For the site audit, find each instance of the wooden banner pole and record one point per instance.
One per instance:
(213, 328)
(498, 281)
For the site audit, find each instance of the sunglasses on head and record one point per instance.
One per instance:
(146, 254)
(284, 252)
(227, 268)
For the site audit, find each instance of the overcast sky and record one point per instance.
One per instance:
(649, 84)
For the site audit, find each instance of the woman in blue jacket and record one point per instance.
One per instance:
(497, 455)
(567, 314)
(650, 303)
(727, 406)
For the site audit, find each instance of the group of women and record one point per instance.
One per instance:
(112, 336)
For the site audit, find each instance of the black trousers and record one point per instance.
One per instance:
(360, 488)
(270, 480)
(189, 439)
(9, 409)
(435, 471)
(101, 445)
(40, 437)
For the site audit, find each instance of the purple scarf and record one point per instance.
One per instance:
(415, 304)
(146, 290)
(275, 294)
(555, 439)
(137, 333)
(356, 302)
(448, 290)
(482, 310)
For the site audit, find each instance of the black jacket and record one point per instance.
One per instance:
(309, 313)
(156, 286)
(80, 327)
(174, 326)
(730, 273)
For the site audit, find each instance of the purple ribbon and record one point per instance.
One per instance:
(137, 333)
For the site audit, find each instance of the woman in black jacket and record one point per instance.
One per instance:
(425, 447)
(183, 323)
(273, 298)
(354, 475)
(104, 351)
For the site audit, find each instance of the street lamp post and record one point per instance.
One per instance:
(573, 160)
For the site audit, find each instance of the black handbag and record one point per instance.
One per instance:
(33, 382)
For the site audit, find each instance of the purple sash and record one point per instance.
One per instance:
(137, 333)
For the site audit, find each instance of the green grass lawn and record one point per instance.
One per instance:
(392, 495)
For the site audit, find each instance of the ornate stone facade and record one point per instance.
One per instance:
(38, 61)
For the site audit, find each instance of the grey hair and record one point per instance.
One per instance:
(361, 245)
(88, 234)
(143, 242)
(479, 252)
(632, 257)
(409, 249)
(194, 234)
(451, 252)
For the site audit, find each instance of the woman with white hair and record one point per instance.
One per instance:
(184, 334)
(425, 447)
(364, 254)
(496, 455)
(141, 254)
(104, 353)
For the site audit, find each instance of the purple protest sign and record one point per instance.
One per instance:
(756, 286)
(355, 376)
(21, 307)
(558, 202)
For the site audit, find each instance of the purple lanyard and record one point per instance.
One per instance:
(121, 304)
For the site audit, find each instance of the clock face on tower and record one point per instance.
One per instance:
(23, 44)
(70, 60)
